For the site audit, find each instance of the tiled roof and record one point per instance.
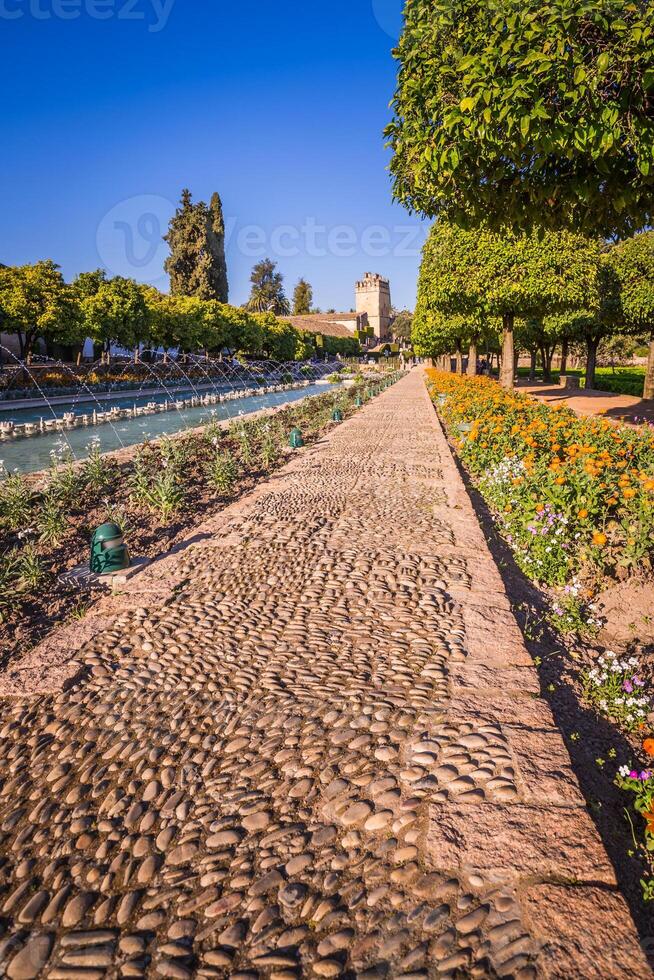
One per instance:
(326, 323)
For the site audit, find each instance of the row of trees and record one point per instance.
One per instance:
(537, 291)
(36, 303)
(517, 124)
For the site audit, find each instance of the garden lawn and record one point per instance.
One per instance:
(621, 381)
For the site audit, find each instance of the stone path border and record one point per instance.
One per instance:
(315, 747)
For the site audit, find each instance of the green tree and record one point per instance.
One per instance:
(302, 298)
(401, 326)
(174, 321)
(633, 261)
(278, 338)
(540, 335)
(306, 346)
(267, 294)
(591, 325)
(437, 334)
(196, 238)
(117, 313)
(509, 276)
(87, 283)
(527, 113)
(216, 243)
(36, 302)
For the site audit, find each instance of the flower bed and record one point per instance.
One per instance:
(572, 495)
(574, 499)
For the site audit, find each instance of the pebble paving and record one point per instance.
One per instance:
(322, 755)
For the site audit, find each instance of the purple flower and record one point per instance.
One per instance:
(638, 683)
(628, 687)
(644, 776)
(633, 774)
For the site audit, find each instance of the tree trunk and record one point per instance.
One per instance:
(459, 360)
(546, 354)
(648, 391)
(508, 366)
(564, 357)
(532, 368)
(591, 361)
(472, 360)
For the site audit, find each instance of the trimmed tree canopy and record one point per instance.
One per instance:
(36, 302)
(527, 112)
(483, 274)
(633, 262)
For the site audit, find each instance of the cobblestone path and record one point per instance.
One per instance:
(322, 754)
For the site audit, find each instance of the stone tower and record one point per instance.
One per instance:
(373, 296)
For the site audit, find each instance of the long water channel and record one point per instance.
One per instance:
(33, 453)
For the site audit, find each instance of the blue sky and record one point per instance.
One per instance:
(110, 107)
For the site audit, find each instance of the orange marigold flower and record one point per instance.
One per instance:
(649, 817)
(599, 539)
(560, 480)
(648, 746)
(582, 515)
(628, 493)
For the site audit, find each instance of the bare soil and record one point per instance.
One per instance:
(620, 408)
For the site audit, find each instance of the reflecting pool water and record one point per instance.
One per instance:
(30, 454)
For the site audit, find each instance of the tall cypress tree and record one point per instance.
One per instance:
(302, 298)
(216, 241)
(196, 237)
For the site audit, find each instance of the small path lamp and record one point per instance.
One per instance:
(108, 550)
(337, 415)
(295, 439)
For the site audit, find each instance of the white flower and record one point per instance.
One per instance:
(624, 770)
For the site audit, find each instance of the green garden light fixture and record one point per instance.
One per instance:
(108, 550)
(358, 401)
(295, 440)
(337, 415)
